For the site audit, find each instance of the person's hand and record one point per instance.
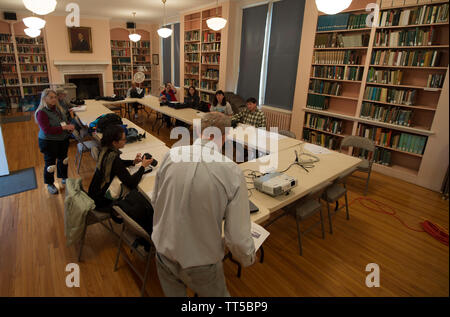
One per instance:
(138, 158)
(146, 162)
(69, 127)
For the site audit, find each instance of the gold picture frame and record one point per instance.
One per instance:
(80, 39)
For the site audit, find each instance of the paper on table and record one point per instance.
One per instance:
(315, 149)
(80, 108)
(259, 235)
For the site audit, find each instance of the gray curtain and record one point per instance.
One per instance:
(284, 46)
(166, 57)
(252, 45)
(176, 52)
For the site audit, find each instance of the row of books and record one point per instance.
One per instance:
(328, 40)
(318, 102)
(412, 37)
(338, 57)
(191, 48)
(35, 80)
(208, 85)
(120, 44)
(141, 44)
(8, 59)
(5, 38)
(121, 53)
(122, 76)
(13, 92)
(342, 21)
(380, 155)
(387, 114)
(396, 140)
(32, 59)
(211, 37)
(121, 60)
(206, 97)
(191, 69)
(192, 36)
(33, 68)
(140, 59)
(420, 15)
(31, 49)
(325, 87)
(211, 73)
(6, 48)
(211, 59)
(26, 40)
(191, 82)
(392, 77)
(140, 51)
(390, 95)
(338, 72)
(212, 47)
(33, 90)
(193, 58)
(419, 58)
(322, 139)
(9, 69)
(9, 81)
(323, 123)
(435, 80)
(121, 68)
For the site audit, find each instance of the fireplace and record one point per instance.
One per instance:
(89, 86)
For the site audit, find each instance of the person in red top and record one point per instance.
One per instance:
(168, 94)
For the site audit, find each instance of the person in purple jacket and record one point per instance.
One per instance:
(54, 132)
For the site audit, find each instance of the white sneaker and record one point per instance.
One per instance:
(51, 169)
(52, 189)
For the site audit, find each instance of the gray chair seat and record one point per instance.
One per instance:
(88, 146)
(364, 165)
(307, 209)
(95, 216)
(334, 192)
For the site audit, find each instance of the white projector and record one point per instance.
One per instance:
(274, 184)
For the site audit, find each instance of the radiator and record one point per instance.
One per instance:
(276, 118)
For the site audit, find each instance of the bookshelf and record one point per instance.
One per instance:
(388, 89)
(202, 54)
(141, 60)
(24, 63)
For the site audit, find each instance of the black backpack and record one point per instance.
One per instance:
(133, 135)
(106, 120)
(138, 208)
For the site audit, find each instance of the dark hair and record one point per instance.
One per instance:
(224, 100)
(111, 134)
(195, 90)
(166, 84)
(251, 100)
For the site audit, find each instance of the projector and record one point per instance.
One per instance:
(274, 184)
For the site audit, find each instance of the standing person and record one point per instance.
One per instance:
(167, 95)
(252, 115)
(213, 190)
(135, 91)
(54, 132)
(220, 104)
(109, 165)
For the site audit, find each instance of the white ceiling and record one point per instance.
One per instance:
(146, 10)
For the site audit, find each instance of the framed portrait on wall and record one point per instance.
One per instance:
(155, 59)
(80, 39)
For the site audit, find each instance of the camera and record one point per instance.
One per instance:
(148, 157)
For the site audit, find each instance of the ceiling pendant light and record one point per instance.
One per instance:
(41, 7)
(134, 36)
(216, 23)
(332, 6)
(164, 32)
(34, 22)
(32, 32)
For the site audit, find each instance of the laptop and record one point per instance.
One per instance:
(253, 208)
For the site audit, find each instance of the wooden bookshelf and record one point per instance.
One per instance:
(202, 54)
(351, 101)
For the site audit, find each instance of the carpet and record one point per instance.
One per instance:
(18, 182)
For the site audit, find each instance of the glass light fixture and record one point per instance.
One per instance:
(41, 7)
(32, 32)
(332, 6)
(34, 23)
(134, 36)
(163, 31)
(216, 23)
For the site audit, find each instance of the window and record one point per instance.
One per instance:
(171, 56)
(269, 60)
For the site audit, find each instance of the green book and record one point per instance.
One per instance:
(414, 142)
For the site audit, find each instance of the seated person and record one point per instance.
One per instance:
(252, 116)
(135, 91)
(168, 94)
(192, 99)
(110, 164)
(220, 104)
(67, 106)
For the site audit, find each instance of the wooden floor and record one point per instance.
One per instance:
(33, 253)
